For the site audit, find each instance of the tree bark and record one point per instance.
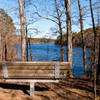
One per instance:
(26, 30)
(5, 52)
(69, 32)
(30, 48)
(98, 70)
(0, 47)
(82, 36)
(26, 44)
(95, 63)
(23, 40)
(60, 30)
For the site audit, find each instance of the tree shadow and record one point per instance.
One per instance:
(79, 84)
(24, 88)
(82, 84)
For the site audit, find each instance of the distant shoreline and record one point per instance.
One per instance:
(35, 40)
(40, 40)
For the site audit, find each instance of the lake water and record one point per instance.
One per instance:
(50, 52)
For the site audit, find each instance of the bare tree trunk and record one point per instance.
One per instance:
(98, 69)
(26, 31)
(3, 47)
(95, 63)
(98, 73)
(26, 44)
(69, 32)
(60, 30)
(82, 35)
(0, 47)
(5, 52)
(30, 49)
(23, 40)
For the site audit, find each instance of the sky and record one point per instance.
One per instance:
(11, 7)
(43, 26)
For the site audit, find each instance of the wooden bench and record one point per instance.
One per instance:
(34, 72)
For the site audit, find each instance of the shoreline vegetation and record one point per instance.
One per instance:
(41, 40)
(76, 38)
(35, 40)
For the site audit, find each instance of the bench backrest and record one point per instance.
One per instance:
(34, 70)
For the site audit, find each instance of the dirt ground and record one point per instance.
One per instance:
(69, 89)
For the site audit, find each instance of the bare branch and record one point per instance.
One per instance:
(47, 18)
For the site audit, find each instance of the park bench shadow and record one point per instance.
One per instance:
(24, 88)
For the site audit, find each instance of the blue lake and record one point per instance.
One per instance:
(50, 52)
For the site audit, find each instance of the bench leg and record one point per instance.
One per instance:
(32, 88)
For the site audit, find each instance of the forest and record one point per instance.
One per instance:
(54, 31)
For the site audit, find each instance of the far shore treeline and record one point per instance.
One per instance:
(35, 40)
(76, 38)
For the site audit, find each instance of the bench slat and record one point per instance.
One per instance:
(36, 75)
(25, 72)
(47, 76)
(37, 63)
(35, 69)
